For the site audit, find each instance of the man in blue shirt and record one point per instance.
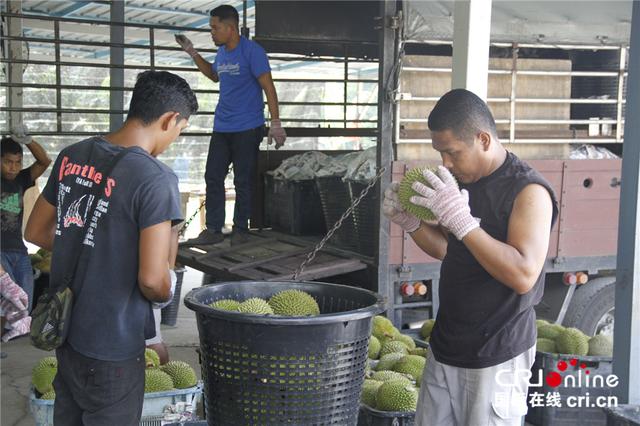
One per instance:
(242, 68)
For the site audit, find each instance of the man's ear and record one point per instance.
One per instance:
(169, 120)
(485, 140)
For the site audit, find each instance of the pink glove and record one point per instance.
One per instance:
(276, 132)
(13, 293)
(186, 45)
(393, 210)
(446, 201)
(18, 328)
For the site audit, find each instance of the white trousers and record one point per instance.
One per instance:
(492, 396)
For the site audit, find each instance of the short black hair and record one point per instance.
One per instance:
(226, 13)
(158, 92)
(9, 146)
(464, 113)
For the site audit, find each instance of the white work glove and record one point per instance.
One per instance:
(449, 205)
(393, 210)
(277, 133)
(20, 134)
(174, 280)
(186, 45)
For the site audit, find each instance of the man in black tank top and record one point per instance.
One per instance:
(492, 235)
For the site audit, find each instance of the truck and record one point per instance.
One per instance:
(548, 99)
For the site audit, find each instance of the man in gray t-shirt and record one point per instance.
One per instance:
(126, 238)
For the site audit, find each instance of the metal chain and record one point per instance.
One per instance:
(337, 225)
(188, 221)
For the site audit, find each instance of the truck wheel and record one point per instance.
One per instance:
(592, 307)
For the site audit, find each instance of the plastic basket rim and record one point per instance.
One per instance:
(591, 358)
(332, 318)
(173, 392)
(388, 413)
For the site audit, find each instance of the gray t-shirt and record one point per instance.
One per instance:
(110, 318)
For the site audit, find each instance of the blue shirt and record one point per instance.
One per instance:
(240, 106)
(111, 318)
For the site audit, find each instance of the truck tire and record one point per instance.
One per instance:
(592, 307)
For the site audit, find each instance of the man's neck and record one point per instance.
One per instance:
(233, 43)
(132, 134)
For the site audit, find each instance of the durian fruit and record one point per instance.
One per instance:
(156, 380)
(405, 192)
(572, 341)
(294, 303)
(546, 345)
(412, 365)
(374, 347)
(151, 358)
(388, 375)
(51, 395)
(551, 331)
(225, 305)
(407, 340)
(383, 328)
(387, 361)
(181, 373)
(541, 322)
(601, 345)
(393, 346)
(396, 395)
(255, 305)
(369, 390)
(43, 374)
(418, 351)
(427, 328)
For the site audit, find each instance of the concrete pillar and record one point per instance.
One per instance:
(471, 35)
(15, 69)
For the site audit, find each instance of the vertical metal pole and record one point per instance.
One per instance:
(386, 58)
(346, 85)
(152, 52)
(622, 66)
(56, 37)
(512, 96)
(626, 351)
(15, 70)
(116, 72)
(245, 29)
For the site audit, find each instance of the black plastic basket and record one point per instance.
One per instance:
(364, 216)
(372, 417)
(293, 206)
(272, 370)
(169, 314)
(335, 199)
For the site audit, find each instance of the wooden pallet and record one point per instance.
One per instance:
(266, 256)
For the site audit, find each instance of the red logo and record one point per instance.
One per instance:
(554, 379)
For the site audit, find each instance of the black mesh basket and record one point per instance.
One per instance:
(169, 314)
(335, 199)
(364, 216)
(268, 370)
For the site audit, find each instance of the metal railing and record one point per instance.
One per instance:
(513, 99)
(343, 126)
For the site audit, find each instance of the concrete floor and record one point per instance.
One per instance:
(15, 378)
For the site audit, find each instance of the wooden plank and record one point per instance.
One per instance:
(320, 271)
(269, 259)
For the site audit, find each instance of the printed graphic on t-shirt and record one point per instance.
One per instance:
(11, 209)
(76, 211)
(232, 69)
